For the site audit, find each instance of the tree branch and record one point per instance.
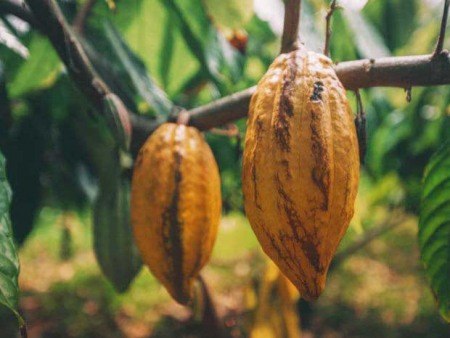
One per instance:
(396, 219)
(289, 41)
(55, 26)
(441, 39)
(402, 72)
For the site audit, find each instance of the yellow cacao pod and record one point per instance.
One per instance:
(300, 166)
(275, 314)
(175, 206)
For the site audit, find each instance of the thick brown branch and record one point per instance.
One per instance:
(289, 41)
(402, 72)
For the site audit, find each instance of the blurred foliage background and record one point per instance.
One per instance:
(157, 55)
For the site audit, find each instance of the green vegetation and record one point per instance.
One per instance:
(159, 55)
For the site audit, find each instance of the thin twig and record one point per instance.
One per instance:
(397, 218)
(80, 20)
(289, 41)
(441, 39)
(328, 31)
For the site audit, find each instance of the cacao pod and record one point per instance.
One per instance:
(114, 247)
(176, 206)
(275, 314)
(300, 166)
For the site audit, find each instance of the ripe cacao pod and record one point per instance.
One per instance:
(300, 166)
(175, 206)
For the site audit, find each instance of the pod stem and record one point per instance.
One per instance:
(289, 41)
(183, 117)
(23, 331)
(205, 312)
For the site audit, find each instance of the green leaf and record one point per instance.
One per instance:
(39, 71)
(25, 149)
(167, 51)
(434, 227)
(395, 19)
(9, 260)
(215, 54)
(143, 83)
(146, 25)
(231, 13)
(221, 58)
(143, 23)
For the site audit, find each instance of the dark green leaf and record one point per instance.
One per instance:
(143, 25)
(9, 260)
(216, 56)
(395, 19)
(40, 70)
(25, 150)
(145, 86)
(434, 227)
(167, 51)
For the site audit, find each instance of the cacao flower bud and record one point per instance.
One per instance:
(118, 119)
